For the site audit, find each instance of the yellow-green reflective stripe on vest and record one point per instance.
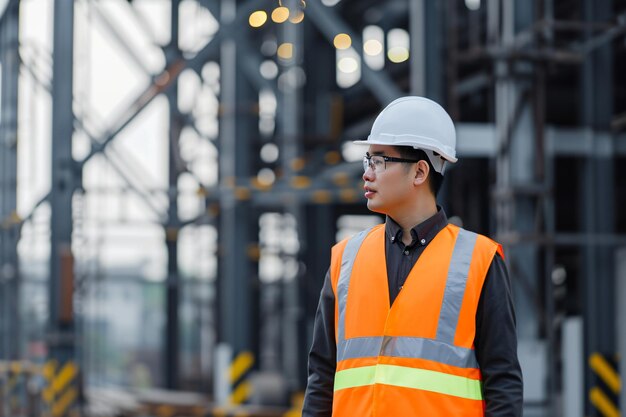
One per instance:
(355, 377)
(401, 376)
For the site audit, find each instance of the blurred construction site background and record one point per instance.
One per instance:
(173, 174)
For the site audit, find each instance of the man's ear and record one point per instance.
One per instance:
(422, 170)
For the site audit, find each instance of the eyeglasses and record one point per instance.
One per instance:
(378, 163)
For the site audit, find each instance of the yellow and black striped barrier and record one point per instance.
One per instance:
(297, 400)
(239, 371)
(15, 387)
(603, 402)
(11, 387)
(61, 392)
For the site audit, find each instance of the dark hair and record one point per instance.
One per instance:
(435, 179)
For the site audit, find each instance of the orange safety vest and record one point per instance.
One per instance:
(416, 358)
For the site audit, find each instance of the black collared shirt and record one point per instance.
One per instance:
(495, 340)
(401, 258)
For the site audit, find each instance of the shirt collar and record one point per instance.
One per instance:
(426, 230)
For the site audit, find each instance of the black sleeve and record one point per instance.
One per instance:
(496, 345)
(318, 398)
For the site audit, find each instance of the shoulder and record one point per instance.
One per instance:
(338, 249)
(484, 243)
(339, 246)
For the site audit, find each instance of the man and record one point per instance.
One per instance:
(415, 316)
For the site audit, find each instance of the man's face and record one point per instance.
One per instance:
(387, 189)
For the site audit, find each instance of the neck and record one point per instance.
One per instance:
(408, 217)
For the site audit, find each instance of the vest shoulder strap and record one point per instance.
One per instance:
(338, 250)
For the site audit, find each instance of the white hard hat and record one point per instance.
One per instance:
(417, 122)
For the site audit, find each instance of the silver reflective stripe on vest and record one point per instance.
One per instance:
(359, 347)
(347, 261)
(406, 347)
(455, 286)
(440, 350)
(429, 349)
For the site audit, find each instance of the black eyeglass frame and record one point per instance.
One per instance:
(386, 158)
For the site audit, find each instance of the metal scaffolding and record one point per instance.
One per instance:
(493, 69)
(9, 220)
(521, 43)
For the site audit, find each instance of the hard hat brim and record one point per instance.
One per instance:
(443, 153)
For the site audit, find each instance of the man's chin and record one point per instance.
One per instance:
(376, 208)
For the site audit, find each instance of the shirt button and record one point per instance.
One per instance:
(423, 242)
(393, 238)
(406, 252)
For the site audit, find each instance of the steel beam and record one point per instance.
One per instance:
(597, 199)
(452, 58)
(120, 40)
(516, 212)
(479, 140)
(172, 282)
(212, 51)
(321, 228)
(250, 62)
(434, 43)
(237, 225)
(620, 296)
(417, 29)
(289, 133)
(598, 273)
(9, 221)
(65, 180)
(318, 223)
(544, 172)
(163, 81)
(330, 25)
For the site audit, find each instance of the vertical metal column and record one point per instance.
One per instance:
(235, 275)
(290, 149)
(172, 283)
(65, 180)
(319, 221)
(451, 70)
(515, 214)
(9, 230)
(544, 173)
(320, 224)
(434, 43)
(425, 23)
(418, 47)
(515, 211)
(598, 201)
(620, 259)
